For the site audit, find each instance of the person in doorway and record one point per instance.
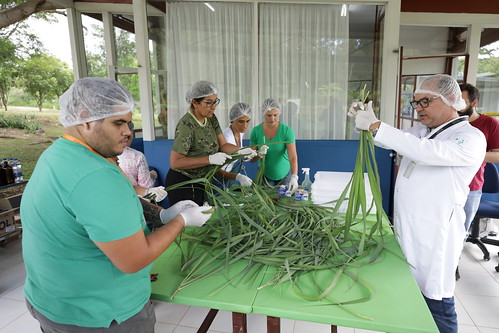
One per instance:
(490, 128)
(86, 246)
(281, 161)
(199, 144)
(135, 167)
(440, 158)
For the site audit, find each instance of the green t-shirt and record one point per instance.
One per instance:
(194, 139)
(73, 198)
(276, 160)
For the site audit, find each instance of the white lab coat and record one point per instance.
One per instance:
(229, 137)
(428, 201)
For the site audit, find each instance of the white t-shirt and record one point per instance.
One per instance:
(229, 137)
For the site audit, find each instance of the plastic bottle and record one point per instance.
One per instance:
(13, 164)
(9, 173)
(307, 184)
(18, 172)
(299, 193)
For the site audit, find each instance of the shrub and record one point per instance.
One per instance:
(28, 122)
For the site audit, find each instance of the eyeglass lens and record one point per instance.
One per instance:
(423, 102)
(209, 102)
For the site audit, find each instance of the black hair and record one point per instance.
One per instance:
(198, 100)
(473, 92)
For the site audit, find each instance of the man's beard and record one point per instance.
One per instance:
(467, 112)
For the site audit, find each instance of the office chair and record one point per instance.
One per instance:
(486, 209)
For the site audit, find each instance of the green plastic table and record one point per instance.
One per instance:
(396, 305)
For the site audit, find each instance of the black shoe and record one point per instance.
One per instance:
(457, 274)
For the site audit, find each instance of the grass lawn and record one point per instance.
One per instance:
(28, 146)
(25, 146)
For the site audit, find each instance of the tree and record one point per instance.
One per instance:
(14, 11)
(487, 62)
(44, 76)
(9, 64)
(17, 41)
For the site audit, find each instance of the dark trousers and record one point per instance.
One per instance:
(142, 322)
(194, 192)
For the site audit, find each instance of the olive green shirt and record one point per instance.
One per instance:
(194, 139)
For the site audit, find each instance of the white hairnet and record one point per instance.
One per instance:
(200, 89)
(94, 98)
(238, 110)
(444, 86)
(271, 104)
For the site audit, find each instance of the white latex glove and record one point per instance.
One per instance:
(364, 115)
(293, 183)
(153, 174)
(218, 158)
(354, 108)
(250, 153)
(262, 151)
(167, 214)
(244, 180)
(195, 216)
(159, 193)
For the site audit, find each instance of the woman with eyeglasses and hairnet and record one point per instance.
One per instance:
(199, 144)
(281, 162)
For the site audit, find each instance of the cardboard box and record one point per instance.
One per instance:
(7, 217)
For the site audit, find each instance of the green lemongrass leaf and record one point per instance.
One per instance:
(296, 239)
(324, 292)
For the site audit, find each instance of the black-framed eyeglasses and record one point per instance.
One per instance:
(210, 102)
(423, 102)
(131, 126)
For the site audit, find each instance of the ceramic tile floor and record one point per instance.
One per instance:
(477, 301)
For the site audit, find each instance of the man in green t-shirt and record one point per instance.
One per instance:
(86, 246)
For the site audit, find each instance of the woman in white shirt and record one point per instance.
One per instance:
(239, 118)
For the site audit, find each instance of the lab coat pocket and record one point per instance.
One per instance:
(409, 169)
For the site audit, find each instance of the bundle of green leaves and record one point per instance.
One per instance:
(297, 238)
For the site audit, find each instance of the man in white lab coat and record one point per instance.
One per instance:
(440, 157)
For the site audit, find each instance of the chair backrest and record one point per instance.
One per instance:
(490, 179)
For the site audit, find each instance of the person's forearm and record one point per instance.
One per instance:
(294, 166)
(228, 148)
(226, 175)
(492, 157)
(141, 191)
(190, 162)
(160, 239)
(133, 253)
(374, 126)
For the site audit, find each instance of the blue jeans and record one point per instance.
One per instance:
(284, 181)
(471, 206)
(443, 313)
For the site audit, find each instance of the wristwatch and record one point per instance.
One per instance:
(373, 133)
